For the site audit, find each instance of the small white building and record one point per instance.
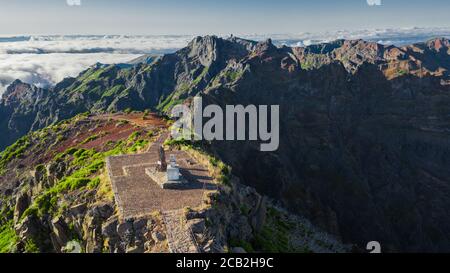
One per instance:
(169, 179)
(173, 170)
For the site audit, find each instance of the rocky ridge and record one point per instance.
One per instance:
(62, 201)
(364, 133)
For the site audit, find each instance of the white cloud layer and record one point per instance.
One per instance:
(47, 69)
(92, 44)
(46, 60)
(399, 36)
(73, 2)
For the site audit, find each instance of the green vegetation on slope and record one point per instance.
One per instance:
(168, 103)
(8, 238)
(113, 91)
(88, 165)
(233, 76)
(274, 236)
(14, 151)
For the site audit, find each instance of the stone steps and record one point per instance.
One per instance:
(179, 235)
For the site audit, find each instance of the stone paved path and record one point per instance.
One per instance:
(179, 235)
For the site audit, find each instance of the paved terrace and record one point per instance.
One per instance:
(137, 194)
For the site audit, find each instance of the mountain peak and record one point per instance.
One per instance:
(208, 40)
(16, 91)
(204, 47)
(14, 86)
(212, 49)
(438, 43)
(248, 44)
(16, 82)
(266, 46)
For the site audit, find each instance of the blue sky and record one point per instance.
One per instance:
(214, 16)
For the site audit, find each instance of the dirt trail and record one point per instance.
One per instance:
(139, 119)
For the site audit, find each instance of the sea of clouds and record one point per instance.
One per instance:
(46, 60)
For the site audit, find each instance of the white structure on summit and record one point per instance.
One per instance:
(167, 176)
(173, 170)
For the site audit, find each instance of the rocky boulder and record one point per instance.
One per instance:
(22, 203)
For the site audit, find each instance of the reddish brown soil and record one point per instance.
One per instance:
(151, 120)
(107, 127)
(110, 128)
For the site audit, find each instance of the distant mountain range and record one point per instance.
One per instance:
(43, 60)
(364, 150)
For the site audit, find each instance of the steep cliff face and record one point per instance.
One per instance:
(19, 108)
(362, 154)
(364, 127)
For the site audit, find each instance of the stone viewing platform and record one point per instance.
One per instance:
(143, 183)
(138, 193)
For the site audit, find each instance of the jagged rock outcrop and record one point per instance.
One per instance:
(22, 203)
(360, 151)
(23, 109)
(92, 226)
(60, 233)
(32, 230)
